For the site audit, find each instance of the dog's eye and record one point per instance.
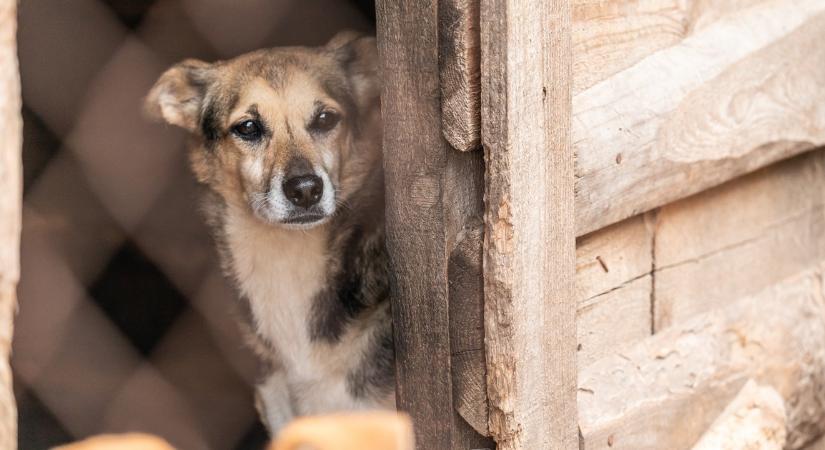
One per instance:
(324, 121)
(249, 130)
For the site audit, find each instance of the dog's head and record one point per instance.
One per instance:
(277, 131)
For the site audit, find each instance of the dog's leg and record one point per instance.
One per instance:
(273, 402)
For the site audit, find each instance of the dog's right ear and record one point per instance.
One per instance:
(178, 94)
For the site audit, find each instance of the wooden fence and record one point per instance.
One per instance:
(560, 280)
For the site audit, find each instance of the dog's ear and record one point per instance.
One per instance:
(358, 55)
(178, 94)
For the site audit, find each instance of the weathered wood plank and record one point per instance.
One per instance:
(11, 192)
(529, 243)
(467, 330)
(459, 61)
(612, 35)
(736, 239)
(698, 113)
(612, 256)
(614, 321)
(463, 210)
(415, 158)
(613, 288)
(666, 391)
(755, 419)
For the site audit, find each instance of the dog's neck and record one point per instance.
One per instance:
(279, 271)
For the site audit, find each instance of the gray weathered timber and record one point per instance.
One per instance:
(458, 53)
(667, 390)
(529, 240)
(415, 158)
(695, 114)
(11, 192)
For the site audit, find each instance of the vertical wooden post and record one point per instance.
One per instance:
(10, 210)
(529, 244)
(415, 160)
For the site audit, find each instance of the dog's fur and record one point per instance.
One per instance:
(314, 280)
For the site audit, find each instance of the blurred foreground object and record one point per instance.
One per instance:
(10, 207)
(362, 431)
(129, 441)
(755, 419)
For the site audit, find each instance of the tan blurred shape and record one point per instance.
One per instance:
(359, 431)
(127, 441)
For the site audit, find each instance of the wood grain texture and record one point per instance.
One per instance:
(613, 288)
(695, 114)
(612, 35)
(666, 391)
(738, 238)
(755, 419)
(467, 330)
(415, 159)
(529, 243)
(459, 61)
(463, 210)
(11, 192)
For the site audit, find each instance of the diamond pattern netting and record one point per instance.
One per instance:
(125, 322)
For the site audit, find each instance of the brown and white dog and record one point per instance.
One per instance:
(287, 143)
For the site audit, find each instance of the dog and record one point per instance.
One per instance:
(287, 143)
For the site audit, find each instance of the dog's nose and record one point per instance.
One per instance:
(304, 190)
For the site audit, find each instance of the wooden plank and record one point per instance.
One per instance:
(467, 330)
(459, 61)
(666, 391)
(614, 321)
(529, 243)
(612, 35)
(415, 157)
(464, 207)
(613, 288)
(11, 193)
(696, 114)
(612, 256)
(754, 419)
(739, 238)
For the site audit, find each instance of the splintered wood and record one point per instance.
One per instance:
(11, 191)
(529, 241)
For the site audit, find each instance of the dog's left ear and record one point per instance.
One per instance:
(358, 55)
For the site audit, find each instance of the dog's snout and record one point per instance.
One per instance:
(304, 190)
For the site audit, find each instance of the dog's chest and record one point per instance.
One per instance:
(280, 272)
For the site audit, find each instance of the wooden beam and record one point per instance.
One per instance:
(754, 419)
(695, 114)
(529, 242)
(739, 238)
(614, 286)
(11, 193)
(640, 399)
(459, 60)
(612, 35)
(415, 159)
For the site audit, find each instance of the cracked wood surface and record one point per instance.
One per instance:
(697, 113)
(529, 299)
(613, 288)
(11, 191)
(738, 238)
(665, 391)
